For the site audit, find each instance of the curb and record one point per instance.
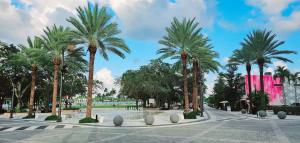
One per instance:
(145, 126)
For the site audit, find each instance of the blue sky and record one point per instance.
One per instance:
(225, 22)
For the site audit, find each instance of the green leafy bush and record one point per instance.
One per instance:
(3, 111)
(290, 110)
(256, 100)
(29, 117)
(72, 108)
(198, 112)
(190, 115)
(88, 120)
(52, 118)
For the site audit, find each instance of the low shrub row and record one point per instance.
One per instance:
(190, 115)
(290, 110)
(72, 108)
(88, 120)
(2, 111)
(52, 118)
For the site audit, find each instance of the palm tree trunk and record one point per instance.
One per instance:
(32, 91)
(92, 50)
(55, 85)
(248, 68)
(261, 77)
(195, 85)
(185, 82)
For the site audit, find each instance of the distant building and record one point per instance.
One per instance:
(271, 86)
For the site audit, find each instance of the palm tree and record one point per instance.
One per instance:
(265, 47)
(56, 40)
(95, 29)
(295, 78)
(180, 38)
(247, 57)
(282, 73)
(202, 61)
(35, 56)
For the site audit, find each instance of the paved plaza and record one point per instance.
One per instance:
(222, 127)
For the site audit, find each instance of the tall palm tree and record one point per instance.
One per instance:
(56, 40)
(95, 29)
(180, 38)
(282, 73)
(203, 60)
(265, 47)
(35, 56)
(247, 57)
(295, 78)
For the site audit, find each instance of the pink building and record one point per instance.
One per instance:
(274, 91)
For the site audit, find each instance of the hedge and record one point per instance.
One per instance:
(190, 115)
(290, 110)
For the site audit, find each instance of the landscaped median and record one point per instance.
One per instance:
(146, 118)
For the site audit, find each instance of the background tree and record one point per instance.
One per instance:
(282, 73)
(295, 79)
(33, 56)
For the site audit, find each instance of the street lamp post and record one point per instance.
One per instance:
(61, 85)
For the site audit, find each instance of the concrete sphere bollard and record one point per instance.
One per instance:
(281, 115)
(174, 118)
(262, 113)
(149, 119)
(243, 111)
(118, 120)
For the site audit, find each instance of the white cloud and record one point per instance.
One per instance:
(140, 19)
(12, 22)
(280, 64)
(270, 7)
(210, 82)
(227, 25)
(32, 17)
(273, 15)
(105, 75)
(147, 19)
(226, 60)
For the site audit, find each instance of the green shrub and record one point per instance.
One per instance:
(29, 117)
(88, 120)
(290, 110)
(72, 108)
(198, 112)
(190, 115)
(2, 111)
(52, 118)
(256, 100)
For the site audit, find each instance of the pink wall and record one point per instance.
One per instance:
(275, 92)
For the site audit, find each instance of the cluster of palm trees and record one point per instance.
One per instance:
(185, 43)
(283, 73)
(259, 47)
(93, 28)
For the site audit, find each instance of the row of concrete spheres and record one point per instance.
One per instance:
(149, 119)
